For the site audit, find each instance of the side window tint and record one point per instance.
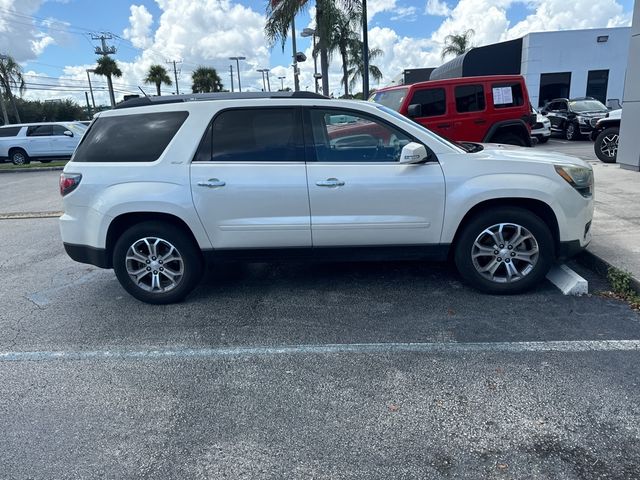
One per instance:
(344, 136)
(129, 138)
(469, 98)
(433, 101)
(9, 131)
(507, 95)
(59, 130)
(256, 135)
(40, 131)
(204, 150)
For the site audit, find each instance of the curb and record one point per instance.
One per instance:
(25, 170)
(601, 266)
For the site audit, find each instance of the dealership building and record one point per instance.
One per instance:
(570, 63)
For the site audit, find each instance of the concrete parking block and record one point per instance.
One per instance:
(568, 281)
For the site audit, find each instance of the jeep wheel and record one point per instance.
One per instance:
(572, 132)
(606, 145)
(504, 250)
(510, 139)
(19, 157)
(157, 263)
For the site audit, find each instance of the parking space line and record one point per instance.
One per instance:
(26, 215)
(357, 348)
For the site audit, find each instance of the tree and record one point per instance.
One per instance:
(356, 63)
(107, 67)
(10, 77)
(343, 37)
(457, 44)
(280, 13)
(158, 75)
(205, 80)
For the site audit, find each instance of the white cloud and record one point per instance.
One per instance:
(405, 13)
(140, 29)
(437, 7)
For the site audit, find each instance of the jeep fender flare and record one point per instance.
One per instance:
(511, 125)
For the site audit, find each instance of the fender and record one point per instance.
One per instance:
(520, 124)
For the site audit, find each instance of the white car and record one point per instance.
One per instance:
(159, 187)
(542, 128)
(22, 143)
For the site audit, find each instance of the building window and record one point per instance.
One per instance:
(597, 83)
(554, 85)
(469, 98)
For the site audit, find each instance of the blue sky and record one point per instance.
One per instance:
(410, 32)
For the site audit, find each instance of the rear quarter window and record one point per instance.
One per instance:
(507, 95)
(9, 131)
(129, 138)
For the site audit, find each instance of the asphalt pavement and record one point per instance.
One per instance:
(345, 370)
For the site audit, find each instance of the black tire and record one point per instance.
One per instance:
(45, 161)
(542, 139)
(510, 139)
(572, 131)
(473, 230)
(19, 157)
(606, 144)
(192, 263)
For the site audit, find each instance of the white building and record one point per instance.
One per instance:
(570, 63)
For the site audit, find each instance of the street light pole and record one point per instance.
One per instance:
(231, 76)
(365, 52)
(296, 80)
(91, 88)
(264, 85)
(237, 59)
(281, 83)
(310, 32)
(266, 71)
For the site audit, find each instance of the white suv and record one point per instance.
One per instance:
(39, 141)
(159, 187)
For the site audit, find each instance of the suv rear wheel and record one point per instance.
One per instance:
(606, 144)
(504, 250)
(157, 263)
(19, 157)
(572, 131)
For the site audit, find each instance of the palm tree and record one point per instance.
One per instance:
(10, 77)
(107, 67)
(205, 80)
(356, 63)
(343, 37)
(280, 13)
(457, 44)
(158, 75)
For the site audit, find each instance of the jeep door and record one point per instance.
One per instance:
(433, 107)
(360, 194)
(470, 120)
(249, 182)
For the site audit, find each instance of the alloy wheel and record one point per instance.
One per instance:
(505, 253)
(19, 158)
(609, 145)
(154, 265)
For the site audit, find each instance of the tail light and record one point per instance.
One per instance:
(69, 182)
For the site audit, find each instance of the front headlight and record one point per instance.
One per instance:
(583, 120)
(580, 178)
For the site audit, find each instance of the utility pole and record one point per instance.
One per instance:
(105, 51)
(86, 95)
(365, 52)
(93, 101)
(175, 74)
(231, 75)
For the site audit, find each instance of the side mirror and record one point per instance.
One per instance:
(414, 110)
(413, 152)
(68, 133)
(544, 112)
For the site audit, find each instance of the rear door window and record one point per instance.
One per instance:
(129, 138)
(59, 130)
(254, 135)
(507, 95)
(433, 101)
(40, 131)
(469, 98)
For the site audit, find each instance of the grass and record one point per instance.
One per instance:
(34, 164)
(622, 288)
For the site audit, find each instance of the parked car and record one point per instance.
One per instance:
(160, 186)
(607, 135)
(491, 109)
(39, 141)
(542, 128)
(574, 118)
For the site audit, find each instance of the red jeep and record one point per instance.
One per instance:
(491, 109)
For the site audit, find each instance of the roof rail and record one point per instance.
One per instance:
(199, 97)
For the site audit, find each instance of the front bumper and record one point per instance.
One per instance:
(91, 255)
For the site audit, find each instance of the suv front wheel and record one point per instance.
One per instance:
(572, 131)
(606, 144)
(504, 250)
(157, 263)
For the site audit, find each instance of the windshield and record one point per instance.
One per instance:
(587, 106)
(391, 98)
(410, 122)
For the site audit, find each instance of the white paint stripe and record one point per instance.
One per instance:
(27, 215)
(358, 348)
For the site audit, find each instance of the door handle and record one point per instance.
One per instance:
(330, 182)
(212, 183)
(479, 122)
(444, 125)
